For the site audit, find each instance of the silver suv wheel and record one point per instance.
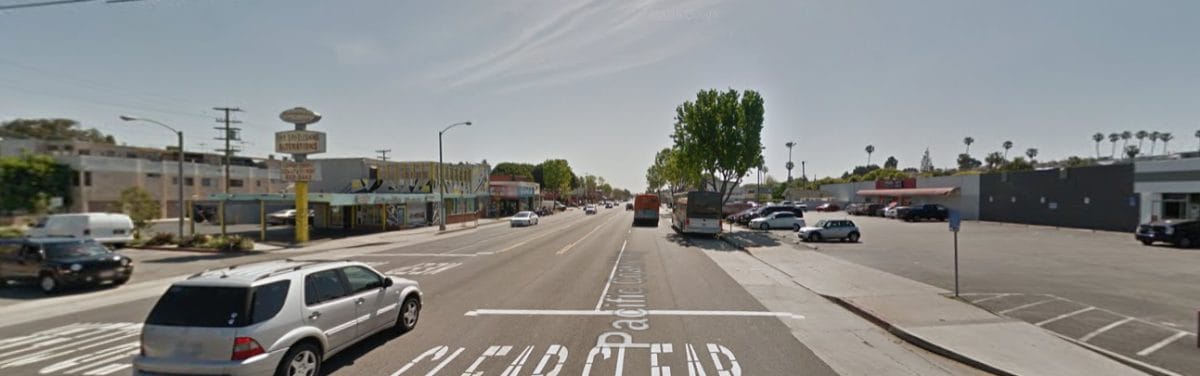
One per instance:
(303, 364)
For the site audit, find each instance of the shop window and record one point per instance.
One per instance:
(206, 182)
(236, 183)
(85, 152)
(75, 180)
(189, 181)
(87, 178)
(153, 175)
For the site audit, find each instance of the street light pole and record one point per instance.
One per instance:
(180, 135)
(442, 178)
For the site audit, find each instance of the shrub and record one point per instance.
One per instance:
(10, 232)
(161, 238)
(196, 240)
(231, 243)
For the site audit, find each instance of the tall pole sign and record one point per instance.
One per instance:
(300, 142)
(955, 222)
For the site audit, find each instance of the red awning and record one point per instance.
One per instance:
(939, 191)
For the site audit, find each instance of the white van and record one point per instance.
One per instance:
(107, 228)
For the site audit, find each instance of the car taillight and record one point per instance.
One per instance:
(245, 347)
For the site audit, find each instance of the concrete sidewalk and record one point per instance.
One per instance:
(930, 317)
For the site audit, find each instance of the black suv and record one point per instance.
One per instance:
(925, 212)
(1180, 233)
(55, 263)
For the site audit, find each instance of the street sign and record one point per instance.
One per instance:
(299, 171)
(56, 202)
(300, 115)
(299, 142)
(955, 220)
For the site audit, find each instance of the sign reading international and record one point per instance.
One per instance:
(299, 142)
(299, 171)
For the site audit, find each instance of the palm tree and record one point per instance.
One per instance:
(969, 141)
(1132, 151)
(1141, 135)
(870, 149)
(1098, 137)
(1126, 135)
(1113, 137)
(1153, 141)
(1007, 145)
(1165, 137)
(1031, 153)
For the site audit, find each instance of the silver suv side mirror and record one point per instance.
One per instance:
(387, 282)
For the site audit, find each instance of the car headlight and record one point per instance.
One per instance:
(76, 267)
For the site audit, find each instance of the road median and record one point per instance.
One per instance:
(928, 317)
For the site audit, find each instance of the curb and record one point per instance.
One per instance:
(915, 340)
(1140, 366)
(467, 228)
(894, 330)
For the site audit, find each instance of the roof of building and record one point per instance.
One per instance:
(938, 191)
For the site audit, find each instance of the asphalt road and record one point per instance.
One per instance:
(1099, 288)
(500, 298)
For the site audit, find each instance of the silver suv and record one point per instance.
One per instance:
(273, 318)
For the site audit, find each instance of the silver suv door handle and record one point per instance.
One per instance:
(314, 316)
(360, 301)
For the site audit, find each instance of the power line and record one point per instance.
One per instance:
(383, 154)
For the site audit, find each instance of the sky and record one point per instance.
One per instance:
(597, 82)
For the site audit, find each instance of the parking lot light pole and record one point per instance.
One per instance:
(180, 134)
(442, 178)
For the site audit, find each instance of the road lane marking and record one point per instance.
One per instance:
(425, 268)
(652, 312)
(604, 293)
(1063, 316)
(572, 245)
(1103, 329)
(1037, 303)
(417, 255)
(989, 298)
(1167, 341)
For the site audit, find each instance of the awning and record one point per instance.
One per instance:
(939, 191)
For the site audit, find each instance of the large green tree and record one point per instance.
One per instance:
(52, 129)
(556, 176)
(30, 181)
(515, 169)
(718, 137)
(668, 171)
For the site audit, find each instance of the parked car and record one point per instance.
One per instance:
(892, 211)
(106, 228)
(273, 318)
(925, 212)
(828, 207)
(802, 207)
(841, 229)
(628, 206)
(873, 210)
(288, 217)
(590, 209)
(57, 263)
(780, 219)
(1180, 233)
(764, 211)
(525, 218)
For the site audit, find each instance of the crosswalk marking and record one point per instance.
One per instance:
(425, 268)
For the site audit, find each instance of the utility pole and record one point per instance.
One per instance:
(228, 134)
(383, 154)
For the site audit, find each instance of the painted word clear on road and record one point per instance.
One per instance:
(687, 358)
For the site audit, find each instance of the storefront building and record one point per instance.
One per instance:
(1168, 189)
(368, 193)
(511, 194)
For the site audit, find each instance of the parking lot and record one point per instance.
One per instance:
(1100, 288)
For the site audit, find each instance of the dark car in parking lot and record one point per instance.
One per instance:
(1180, 233)
(55, 263)
(924, 212)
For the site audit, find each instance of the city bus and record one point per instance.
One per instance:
(697, 213)
(645, 210)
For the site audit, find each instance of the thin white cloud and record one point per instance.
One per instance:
(584, 40)
(358, 51)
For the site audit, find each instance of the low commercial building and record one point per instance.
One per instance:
(1168, 189)
(511, 194)
(102, 171)
(371, 193)
(960, 193)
